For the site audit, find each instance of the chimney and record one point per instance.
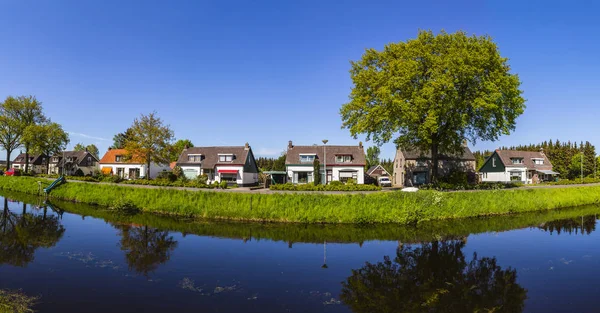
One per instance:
(185, 147)
(247, 146)
(360, 144)
(109, 148)
(290, 145)
(465, 144)
(86, 149)
(542, 151)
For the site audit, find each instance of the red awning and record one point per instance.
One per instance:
(228, 171)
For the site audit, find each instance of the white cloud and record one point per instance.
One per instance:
(87, 136)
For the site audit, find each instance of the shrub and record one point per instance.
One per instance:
(166, 175)
(331, 187)
(351, 181)
(223, 185)
(78, 173)
(115, 179)
(202, 179)
(177, 171)
(336, 183)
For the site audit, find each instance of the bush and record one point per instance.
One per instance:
(223, 185)
(78, 173)
(441, 186)
(115, 179)
(336, 183)
(166, 175)
(202, 179)
(351, 181)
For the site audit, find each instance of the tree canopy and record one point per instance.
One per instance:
(120, 139)
(48, 138)
(373, 156)
(150, 139)
(91, 148)
(178, 146)
(145, 247)
(433, 92)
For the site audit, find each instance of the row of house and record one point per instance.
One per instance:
(237, 165)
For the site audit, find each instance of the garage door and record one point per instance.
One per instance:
(191, 173)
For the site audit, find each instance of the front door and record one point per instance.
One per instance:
(120, 172)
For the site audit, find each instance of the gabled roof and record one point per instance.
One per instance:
(210, 156)
(373, 168)
(34, 159)
(527, 156)
(414, 154)
(357, 153)
(110, 157)
(79, 157)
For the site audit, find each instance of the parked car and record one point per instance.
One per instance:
(13, 172)
(384, 181)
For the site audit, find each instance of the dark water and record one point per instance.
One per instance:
(81, 259)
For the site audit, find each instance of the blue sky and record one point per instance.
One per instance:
(230, 72)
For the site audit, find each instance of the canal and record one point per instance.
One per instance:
(79, 258)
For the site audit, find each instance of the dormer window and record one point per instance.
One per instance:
(516, 160)
(194, 158)
(307, 158)
(343, 158)
(118, 158)
(55, 159)
(538, 161)
(225, 157)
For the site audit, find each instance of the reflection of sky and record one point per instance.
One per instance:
(214, 274)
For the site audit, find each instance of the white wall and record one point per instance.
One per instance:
(242, 178)
(154, 168)
(504, 176)
(335, 172)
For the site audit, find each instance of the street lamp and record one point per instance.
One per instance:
(325, 141)
(324, 266)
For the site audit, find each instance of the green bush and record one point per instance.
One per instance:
(202, 179)
(351, 181)
(166, 175)
(223, 185)
(78, 173)
(336, 183)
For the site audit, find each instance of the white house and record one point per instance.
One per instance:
(236, 165)
(342, 163)
(114, 163)
(69, 162)
(528, 167)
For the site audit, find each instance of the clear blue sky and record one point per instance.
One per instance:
(230, 72)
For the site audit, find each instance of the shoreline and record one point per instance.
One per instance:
(363, 208)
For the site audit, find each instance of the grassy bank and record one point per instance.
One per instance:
(381, 207)
(567, 220)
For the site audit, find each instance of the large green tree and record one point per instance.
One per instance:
(178, 147)
(48, 138)
(150, 140)
(28, 113)
(120, 139)
(146, 247)
(373, 156)
(11, 129)
(91, 148)
(433, 92)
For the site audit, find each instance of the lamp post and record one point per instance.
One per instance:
(325, 141)
(324, 266)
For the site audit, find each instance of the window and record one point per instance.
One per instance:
(303, 177)
(516, 160)
(307, 158)
(89, 159)
(538, 161)
(225, 157)
(343, 158)
(118, 158)
(515, 176)
(485, 175)
(55, 159)
(194, 158)
(493, 162)
(345, 176)
(229, 177)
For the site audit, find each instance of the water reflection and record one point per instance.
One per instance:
(145, 247)
(579, 225)
(23, 233)
(433, 277)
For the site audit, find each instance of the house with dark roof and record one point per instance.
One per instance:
(235, 165)
(528, 167)
(413, 167)
(37, 163)
(119, 162)
(70, 162)
(341, 162)
(377, 171)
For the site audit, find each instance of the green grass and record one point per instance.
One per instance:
(379, 207)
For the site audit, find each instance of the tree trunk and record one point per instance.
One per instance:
(26, 158)
(8, 159)
(48, 165)
(434, 162)
(148, 170)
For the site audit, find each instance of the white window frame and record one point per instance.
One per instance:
(195, 158)
(516, 160)
(226, 158)
(307, 157)
(343, 158)
(118, 158)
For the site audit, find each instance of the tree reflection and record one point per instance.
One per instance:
(22, 234)
(433, 277)
(146, 248)
(582, 225)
